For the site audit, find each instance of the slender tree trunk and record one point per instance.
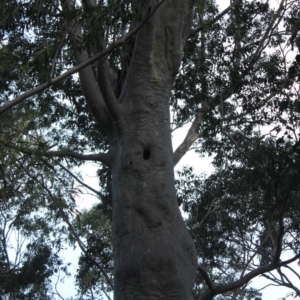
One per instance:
(154, 254)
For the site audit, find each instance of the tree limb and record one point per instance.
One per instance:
(292, 270)
(58, 50)
(289, 283)
(192, 134)
(104, 74)
(280, 234)
(77, 238)
(92, 93)
(281, 281)
(223, 288)
(190, 138)
(206, 277)
(209, 211)
(104, 158)
(110, 100)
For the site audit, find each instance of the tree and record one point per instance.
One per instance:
(135, 60)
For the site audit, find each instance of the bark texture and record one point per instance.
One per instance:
(154, 255)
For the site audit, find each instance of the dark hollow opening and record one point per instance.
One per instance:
(146, 154)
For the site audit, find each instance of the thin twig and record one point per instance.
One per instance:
(59, 295)
(77, 179)
(209, 211)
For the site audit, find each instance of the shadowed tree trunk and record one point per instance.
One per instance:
(154, 255)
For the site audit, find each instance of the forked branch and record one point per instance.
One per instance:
(96, 99)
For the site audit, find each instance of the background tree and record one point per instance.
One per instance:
(227, 73)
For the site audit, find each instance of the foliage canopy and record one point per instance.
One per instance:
(237, 88)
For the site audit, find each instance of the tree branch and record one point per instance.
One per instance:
(190, 138)
(217, 18)
(280, 234)
(209, 211)
(88, 82)
(281, 281)
(292, 270)
(289, 283)
(92, 92)
(262, 41)
(223, 288)
(107, 91)
(206, 277)
(104, 158)
(104, 76)
(85, 63)
(270, 284)
(239, 149)
(193, 134)
(58, 50)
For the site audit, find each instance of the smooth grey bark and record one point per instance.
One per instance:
(154, 255)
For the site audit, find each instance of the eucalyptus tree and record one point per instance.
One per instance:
(226, 73)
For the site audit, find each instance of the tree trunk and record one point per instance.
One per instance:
(154, 255)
